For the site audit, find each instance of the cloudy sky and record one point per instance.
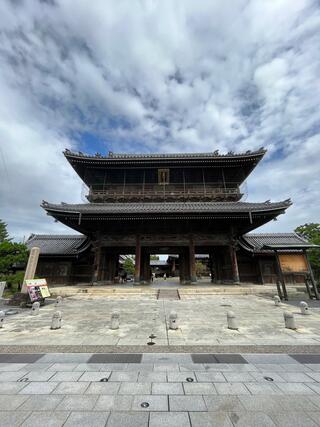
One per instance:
(157, 76)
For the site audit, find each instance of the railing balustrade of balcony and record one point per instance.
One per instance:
(159, 192)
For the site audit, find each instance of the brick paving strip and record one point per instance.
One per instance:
(299, 349)
(160, 389)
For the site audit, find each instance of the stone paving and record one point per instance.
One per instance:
(151, 390)
(202, 321)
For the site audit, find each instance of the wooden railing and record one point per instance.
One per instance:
(153, 192)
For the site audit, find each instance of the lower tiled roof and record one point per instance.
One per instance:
(170, 207)
(55, 244)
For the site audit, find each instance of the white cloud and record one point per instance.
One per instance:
(157, 75)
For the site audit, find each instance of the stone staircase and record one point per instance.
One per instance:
(184, 292)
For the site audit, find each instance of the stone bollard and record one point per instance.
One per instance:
(115, 320)
(35, 308)
(2, 316)
(304, 308)
(277, 300)
(231, 319)
(58, 301)
(289, 320)
(173, 320)
(56, 320)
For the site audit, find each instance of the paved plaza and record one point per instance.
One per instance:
(151, 390)
(202, 321)
(86, 374)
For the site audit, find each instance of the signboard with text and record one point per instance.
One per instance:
(37, 289)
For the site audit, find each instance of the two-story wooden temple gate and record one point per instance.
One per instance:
(165, 203)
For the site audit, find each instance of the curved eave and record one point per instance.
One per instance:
(153, 158)
(170, 208)
(84, 246)
(87, 222)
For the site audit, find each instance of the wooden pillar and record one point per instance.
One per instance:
(261, 271)
(97, 265)
(173, 268)
(108, 269)
(111, 267)
(192, 261)
(217, 266)
(212, 269)
(116, 265)
(182, 267)
(137, 267)
(187, 268)
(281, 278)
(103, 275)
(145, 266)
(234, 264)
(314, 284)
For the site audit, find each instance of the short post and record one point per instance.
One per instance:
(289, 320)
(58, 301)
(304, 308)
(173, 320)
(231, 319)
(35, 308)
(115, 320)
(2, 316)
(56, 320)
(277, 300)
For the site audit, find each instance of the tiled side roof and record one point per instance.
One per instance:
(257, 242)
(160, 156)
(187, 207)
(51, 244)
(158, 263)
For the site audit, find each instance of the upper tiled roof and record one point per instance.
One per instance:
(172, 207)
(259, 242)
(51, 244)
(214, 154)
(165, 156)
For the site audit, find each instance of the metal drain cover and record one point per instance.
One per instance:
(144, 405)
(10, 312)
(189, 379)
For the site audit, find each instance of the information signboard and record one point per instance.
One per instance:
(293, 263)
(37, 289)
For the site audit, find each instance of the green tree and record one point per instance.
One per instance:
(12, 255)
(4, 235)
(154, 257)
(128, 266)
(311, 232)
(200, 268)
